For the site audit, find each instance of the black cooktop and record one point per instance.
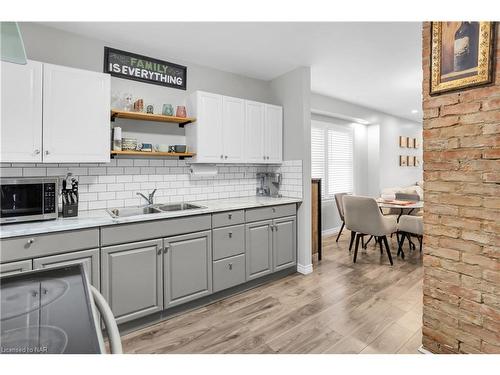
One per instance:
(47, 312)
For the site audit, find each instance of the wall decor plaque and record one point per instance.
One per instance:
(144, 69)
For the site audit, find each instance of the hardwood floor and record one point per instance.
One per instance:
(367, 307)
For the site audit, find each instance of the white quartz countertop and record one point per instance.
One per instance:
(98, 218)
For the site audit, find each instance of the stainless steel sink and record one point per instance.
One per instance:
(177, 207)
(154, 209)
(133, 211)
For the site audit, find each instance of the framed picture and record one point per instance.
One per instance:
(411, 161)
(403, 160)
(403, 141)
(409, 142)
(462, 55)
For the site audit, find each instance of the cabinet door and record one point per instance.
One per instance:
(258, 249)
(89, 259)
(21, 112)
(187, 267)
(233, 129)
(15, 267)
(254, 132)
(209, 127)
(76, 117)
(131, 276)
(273, 134)
(284, 243)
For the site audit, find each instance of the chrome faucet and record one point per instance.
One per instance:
(149, 198)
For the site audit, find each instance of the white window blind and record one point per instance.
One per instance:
(332, 158)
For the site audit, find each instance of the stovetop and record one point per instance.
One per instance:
(47, 311)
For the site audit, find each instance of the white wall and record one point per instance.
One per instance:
(376, 153)
(293, 90)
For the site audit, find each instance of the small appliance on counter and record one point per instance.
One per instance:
(28, 199)
(269, 184)
(69, 193)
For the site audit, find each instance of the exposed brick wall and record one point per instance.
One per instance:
(461, 311)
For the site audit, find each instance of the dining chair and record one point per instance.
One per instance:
(340, 207)
(363, 217)
(410, 225)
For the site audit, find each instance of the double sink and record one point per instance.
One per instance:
(152, 209)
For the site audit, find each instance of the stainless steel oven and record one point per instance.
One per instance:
(28, 199)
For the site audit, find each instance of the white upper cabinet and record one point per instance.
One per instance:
(254, 132)
(233, 130)
(204, 137)
(274, 134)
(21, 112)
(76, 120)
(54, 114)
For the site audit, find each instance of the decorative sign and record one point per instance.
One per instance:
(144, 69)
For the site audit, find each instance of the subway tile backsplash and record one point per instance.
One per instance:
(115, 184)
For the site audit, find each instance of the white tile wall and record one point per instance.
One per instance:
(115, 184)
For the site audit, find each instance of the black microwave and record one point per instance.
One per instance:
(28, 199)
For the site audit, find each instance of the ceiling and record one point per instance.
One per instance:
(377, 65)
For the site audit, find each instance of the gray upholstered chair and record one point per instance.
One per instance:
(363, 217)
(340, 208)
(408, 226)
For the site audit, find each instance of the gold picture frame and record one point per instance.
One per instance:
(409, 142)
(461, 55)
(403, 141)
(411, 161)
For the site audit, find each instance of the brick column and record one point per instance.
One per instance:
(461, 138)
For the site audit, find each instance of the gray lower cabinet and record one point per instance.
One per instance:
(284, 243)
(187, 267)
(258, 249)
(89, 259)
(15, 267)
(229, 272)
(131, 278)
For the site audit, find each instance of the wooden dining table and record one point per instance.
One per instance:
(411, 206)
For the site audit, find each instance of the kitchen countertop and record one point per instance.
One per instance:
(98, 218)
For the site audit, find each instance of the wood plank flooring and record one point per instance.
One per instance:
(367, 307)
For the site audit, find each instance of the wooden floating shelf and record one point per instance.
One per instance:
(180, 155)
(151, 117)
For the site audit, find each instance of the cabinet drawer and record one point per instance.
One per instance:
(89, 259)
(266, 213)
(229, 272)
(48, 244)
(229, 241)
(15, 267)
(223, 219)
(153, 229)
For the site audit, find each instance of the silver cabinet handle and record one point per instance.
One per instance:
(30, 241)
(264, 157)
(37, 152)
(165, 248)
(272, 227)
(230, 234)
(230, 265)
(160, 250)
(274, 210)
(225, 157)
(47, 152)
(222, 156)
(229, 216)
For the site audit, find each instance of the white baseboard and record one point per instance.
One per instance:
(422, 350)
(330, 231)
(305, 270)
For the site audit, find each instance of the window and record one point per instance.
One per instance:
(332, 157)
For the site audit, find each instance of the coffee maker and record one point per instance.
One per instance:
(269, 184)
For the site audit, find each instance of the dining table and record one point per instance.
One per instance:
(401, 205)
